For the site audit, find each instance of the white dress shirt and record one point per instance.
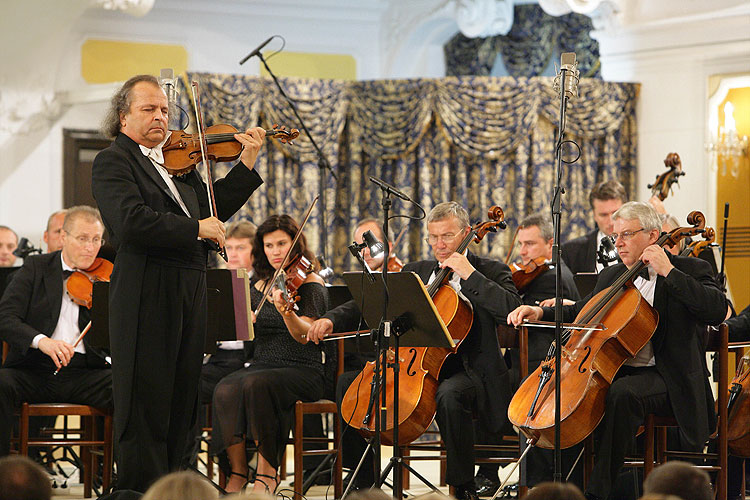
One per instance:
(157, 159)
(645, 357)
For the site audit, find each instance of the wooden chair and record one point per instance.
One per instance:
(509, 338)
(739, 350)
(83, 437)
(655, 427)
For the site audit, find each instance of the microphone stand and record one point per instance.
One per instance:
(323, 164)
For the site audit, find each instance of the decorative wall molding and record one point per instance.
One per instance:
(483, 18)
(604, 14)
(137, 8)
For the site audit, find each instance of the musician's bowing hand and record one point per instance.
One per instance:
(460, 265)
(654, 256)
(320, 329)
(252, 140)
(551, 302)
(212, 228)
(58, 350)
(517, 315)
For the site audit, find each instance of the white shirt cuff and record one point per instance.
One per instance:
(35, 341)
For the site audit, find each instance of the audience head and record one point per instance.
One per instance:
(605, 199)
(680, 479)
(447, 224)
(183, 485)
(81, 236)
(23, 479)
(371, 494)
(555, 491)
(53, 234)
(271, 242)
(659, 496)
(239, 245)
(377, 230)
(8, 243)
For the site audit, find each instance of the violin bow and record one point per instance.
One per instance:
(286, 257)
(204, 147)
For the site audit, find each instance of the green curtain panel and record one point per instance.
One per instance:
(480, 141)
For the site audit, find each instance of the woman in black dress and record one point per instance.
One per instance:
(255, 403)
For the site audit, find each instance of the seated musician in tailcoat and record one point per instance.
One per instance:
(668, 376)
(535, 238)
(41, 322)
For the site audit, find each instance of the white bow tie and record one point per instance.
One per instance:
(156, 155)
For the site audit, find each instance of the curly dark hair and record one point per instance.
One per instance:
(263, 269)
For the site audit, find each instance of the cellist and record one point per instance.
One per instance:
(669, 376)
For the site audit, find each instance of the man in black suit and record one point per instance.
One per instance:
(535, 238)
(668, 376)
(40, 322)
(159, 225)
(580, 254)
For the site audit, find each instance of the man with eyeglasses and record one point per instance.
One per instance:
(668, 376)
(40, 322)
(475, 380)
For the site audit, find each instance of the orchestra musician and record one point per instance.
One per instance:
(345, 318)
(255, 403)
(40, 322)
(668, 376)
(158, 224)
(535, 238)
(53, 233)
(580, 254)
(8, 243)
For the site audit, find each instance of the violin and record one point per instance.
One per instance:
(525, 274)
(182, 152)
(617, 323)
(80, 285)
(394, 264)
(663, 183)
(290, 279)
(738, 413)
(419, 367)
(694, 248)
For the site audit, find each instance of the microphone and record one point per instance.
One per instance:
(389, 189)
(568, 64)
(607, 252)
(167, 83)
(24, 249)
(256, 51)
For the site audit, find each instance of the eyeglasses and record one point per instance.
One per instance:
(445, 238)
(85, 240)
(625, 235)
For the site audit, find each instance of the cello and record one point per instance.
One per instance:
(419, 367)
(590, 358)
(738, 414)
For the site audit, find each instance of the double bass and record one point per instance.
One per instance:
(419, 367)
(620, 322)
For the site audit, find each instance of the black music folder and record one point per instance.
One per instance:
(228, 307)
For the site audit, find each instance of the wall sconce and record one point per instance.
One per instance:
(728, 146)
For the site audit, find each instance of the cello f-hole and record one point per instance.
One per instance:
(581, 369)
(409, 370)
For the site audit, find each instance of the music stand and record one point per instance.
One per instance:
(228, 297)
(415, 322)
(585, 283)
(98, 335)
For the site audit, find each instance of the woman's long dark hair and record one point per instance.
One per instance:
(263, 269)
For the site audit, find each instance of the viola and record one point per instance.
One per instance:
(394, 264)
(289, 280)
(183, 151)
(738, 414)
(80, 285)
(663, 183)
(619, 322)
(525, 274)
(419, 367)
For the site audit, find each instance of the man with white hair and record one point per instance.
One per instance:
(668, 376)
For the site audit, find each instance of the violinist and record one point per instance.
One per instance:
(580, 254)
(535, 238)
(345, 318)
(40, 322)
(475, 380)
(53, 233)
(668, 376)
(255, 403)
(8, 243)
(159, 225)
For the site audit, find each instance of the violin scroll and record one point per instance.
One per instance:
(282, 134)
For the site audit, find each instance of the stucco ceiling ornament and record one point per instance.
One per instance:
(603, 13)
(484, 18)
(137, 8)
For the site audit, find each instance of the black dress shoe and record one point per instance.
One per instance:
(486, 487)
(466, 492)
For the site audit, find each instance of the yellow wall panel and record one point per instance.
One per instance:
(307, 65)
(105, 61)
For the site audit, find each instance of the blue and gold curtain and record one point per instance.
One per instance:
(480, 141)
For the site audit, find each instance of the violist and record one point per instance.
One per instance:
(669, 376)
(255, 403)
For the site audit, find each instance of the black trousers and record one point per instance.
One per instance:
(456, 400)
(36, 383)
(634, 393)
(169, 352)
